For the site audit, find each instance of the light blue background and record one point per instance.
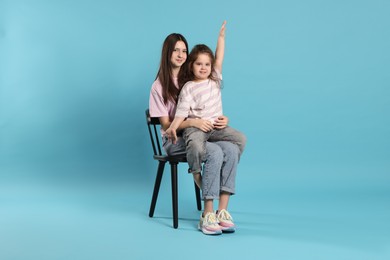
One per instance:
(306, 81)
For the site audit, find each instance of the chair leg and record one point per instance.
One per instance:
(197, 195)
(156, 189)
(174, 195)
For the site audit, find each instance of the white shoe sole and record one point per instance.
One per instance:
(208, 232)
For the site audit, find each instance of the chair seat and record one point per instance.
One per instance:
(172, 159)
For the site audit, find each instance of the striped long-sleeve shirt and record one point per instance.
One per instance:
(201, 100)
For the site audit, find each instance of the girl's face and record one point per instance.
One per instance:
(179, 54)
(202, 67)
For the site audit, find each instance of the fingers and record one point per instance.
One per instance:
(204, 125)
(219, 125)
(208, 126)
(171, 134)
(223, 26)
(220, 122)
(222, 31)
(174, 138)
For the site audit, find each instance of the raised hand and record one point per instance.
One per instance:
(222, 30)
(220, 51)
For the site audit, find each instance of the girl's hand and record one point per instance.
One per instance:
(171, 134)
(221, 122)
(204, 125)
(220, 51)
(222, 30)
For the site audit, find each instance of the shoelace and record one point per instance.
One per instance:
(223, 214)
(210, 219)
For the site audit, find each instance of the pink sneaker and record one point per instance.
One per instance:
(225, 220)
(209, 224)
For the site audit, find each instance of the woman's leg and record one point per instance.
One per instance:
(208, 222)
(231, 154)
(219, 173)
(212, 172)
(223, 200)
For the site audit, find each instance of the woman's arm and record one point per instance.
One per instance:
(220, 51)
(171, 131)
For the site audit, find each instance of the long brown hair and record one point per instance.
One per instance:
(195, 52)
(169, 90)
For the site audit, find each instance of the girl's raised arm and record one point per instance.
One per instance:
(220, 51)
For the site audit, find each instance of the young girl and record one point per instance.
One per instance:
(200, 98)
(220, 161)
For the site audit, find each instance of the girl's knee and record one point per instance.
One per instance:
(198, 147)
(242, 139)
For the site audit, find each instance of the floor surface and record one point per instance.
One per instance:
(76, 218)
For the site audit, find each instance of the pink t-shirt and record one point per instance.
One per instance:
(157, 107)
(201, 99)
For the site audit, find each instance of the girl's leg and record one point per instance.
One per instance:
(195, 140)
(180, 149)
(174, 149)
(229, 134)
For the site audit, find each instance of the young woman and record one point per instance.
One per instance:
(221, 158)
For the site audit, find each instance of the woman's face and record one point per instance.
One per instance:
(179, 54)
(202, 67)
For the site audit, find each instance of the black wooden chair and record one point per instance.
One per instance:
(154, 132)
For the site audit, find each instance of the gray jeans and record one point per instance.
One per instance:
(219, 168)
(196, 143)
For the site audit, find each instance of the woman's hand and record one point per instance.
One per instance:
(204, 125)
(221, 122)
(171, 134)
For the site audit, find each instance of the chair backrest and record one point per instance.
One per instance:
(154, 132)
